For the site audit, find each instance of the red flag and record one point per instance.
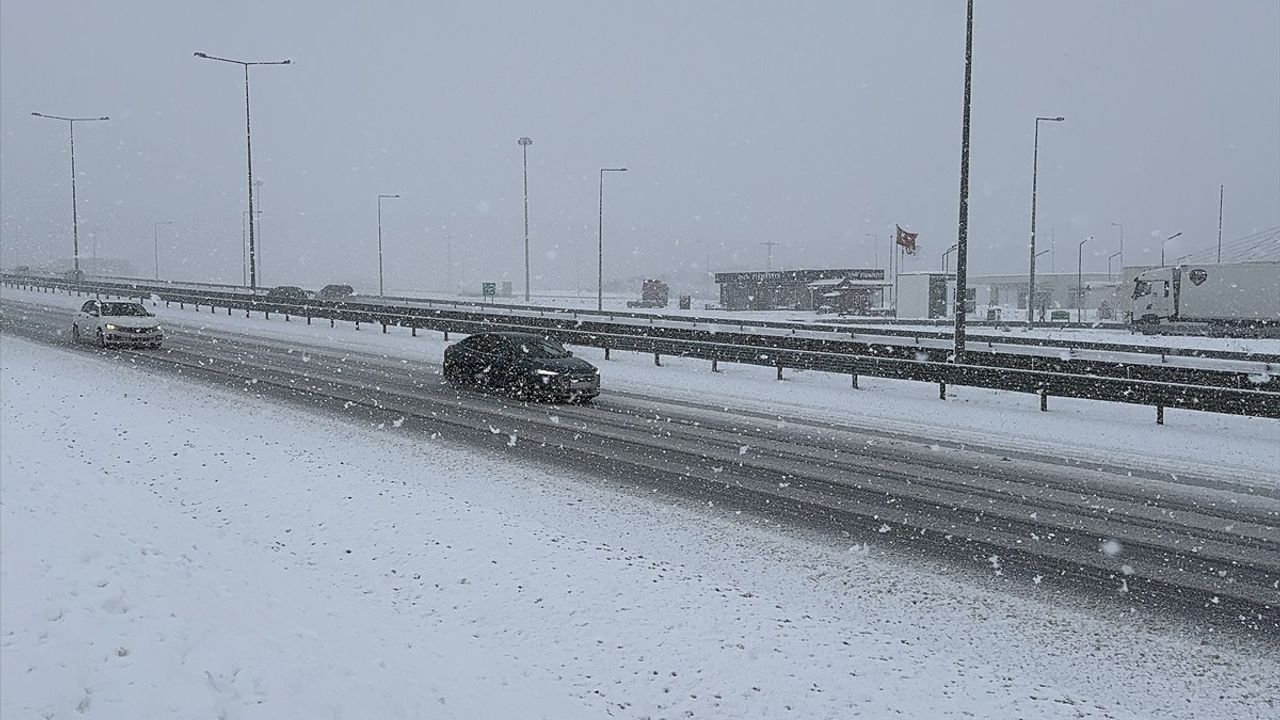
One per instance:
(907, 240)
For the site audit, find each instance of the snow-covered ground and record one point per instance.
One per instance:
(171, 550)
(1225, 447)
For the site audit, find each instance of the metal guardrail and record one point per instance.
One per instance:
(1156, 385)
(862, 327)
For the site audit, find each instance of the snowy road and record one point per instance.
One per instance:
(176, 550)
(1196, 539)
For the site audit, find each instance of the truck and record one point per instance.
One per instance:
(1244, 294)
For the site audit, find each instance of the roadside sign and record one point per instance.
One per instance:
(489, 289)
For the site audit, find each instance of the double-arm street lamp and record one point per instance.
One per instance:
(75, 214)
(248, 140)
(1035, 172)
(600, 240)
(380, 199)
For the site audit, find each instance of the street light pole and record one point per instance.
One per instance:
(75, 214)
(524, 146)
(380, 199)
(1166, 242)
(600, 241)
(962, 242)
(1119, 253)
(155, 241)
(248, 140)
(1035, 172)
(1080, 279)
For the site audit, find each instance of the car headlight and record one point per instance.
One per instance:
(546, 373)
(109, 326)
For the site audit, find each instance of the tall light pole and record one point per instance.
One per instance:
(600, 241)
(380, 199)
(155, 241)
(945, 255)
(1035, 172)
(1166, 242)
(1221, 190)
(248, 142)
(524, 147)
(75, 213)
(769, 244)
(1080, 279)
(1117, 254)
(962, 241)
(1121, 252)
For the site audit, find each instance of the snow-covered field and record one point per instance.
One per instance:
(1270, 346)
(1226, 447)
(171, 550)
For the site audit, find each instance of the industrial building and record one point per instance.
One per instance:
(847, 290)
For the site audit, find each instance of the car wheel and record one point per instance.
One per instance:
(102, 339)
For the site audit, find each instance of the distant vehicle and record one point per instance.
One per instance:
(287, 292)
(335, 292)
(1246, 293)
(525, 364)
(128, 324)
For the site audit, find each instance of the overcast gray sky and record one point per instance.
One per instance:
(806, 123)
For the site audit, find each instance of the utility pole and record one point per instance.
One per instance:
(962, 243)
(524, 147)
(769, 244)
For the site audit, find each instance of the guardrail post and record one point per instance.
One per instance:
(308, 318)
(330, 322)
(357, 324)
(228, 311)
(942, 391)
(606, 352)
(384, 328)
(266, 314)
(1044, 400)
(1159, 414)
(446, 336)
(286, 317)
(715, 366)
(855, 380)
(779, 370)
(657, 359)
(413, 331)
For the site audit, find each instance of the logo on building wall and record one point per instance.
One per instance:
(1198, 276)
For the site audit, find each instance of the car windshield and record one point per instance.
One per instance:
(117, 309)
(1140, 288)
(541, 348)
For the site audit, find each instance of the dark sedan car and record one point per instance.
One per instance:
(528, 365)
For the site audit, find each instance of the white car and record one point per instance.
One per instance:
(127, 324)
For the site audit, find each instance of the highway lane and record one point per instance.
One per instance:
(1188, 538)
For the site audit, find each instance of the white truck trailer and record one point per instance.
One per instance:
(1246, 293)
